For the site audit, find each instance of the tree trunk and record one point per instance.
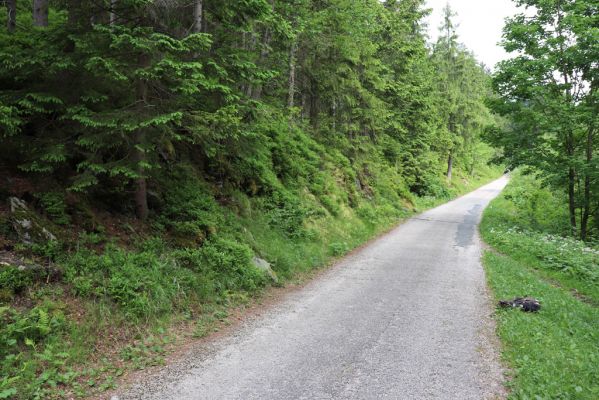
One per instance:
(291, 91)
(112, 12)
(572, 198)
(198, 11)
(256, 93)
(584, 223)
(313, 102)
(141, 186)
(11, 15)
(449, 166)
(139, 155)
(40, 12)
(571, 182)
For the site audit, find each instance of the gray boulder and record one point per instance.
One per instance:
(264, 265)
(27, 224)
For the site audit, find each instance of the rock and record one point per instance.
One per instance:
(264, 265)
(37, 271)
(27, 224)
(16, 204)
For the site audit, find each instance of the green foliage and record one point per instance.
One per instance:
(32, 330)
(337, 249)
(54, 206)
(124, 100)
(190, 211)
(531, 206)
(464, 85)
(548, 90)
(152, 282)
(14, 279)
(294, 131)
(287, 213)
(141, 283)
(227, 263)
(526, 222)
(552, 353)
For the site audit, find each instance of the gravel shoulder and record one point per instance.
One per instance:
(407, 316)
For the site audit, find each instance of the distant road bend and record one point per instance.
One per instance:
(406, 317)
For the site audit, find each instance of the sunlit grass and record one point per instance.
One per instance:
(552, 354)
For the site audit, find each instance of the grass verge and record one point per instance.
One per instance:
(553, 354)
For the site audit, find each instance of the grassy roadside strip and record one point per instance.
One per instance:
(553, 354)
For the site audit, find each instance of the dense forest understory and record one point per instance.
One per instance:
(164, 161)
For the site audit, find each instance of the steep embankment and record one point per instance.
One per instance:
(119, 294)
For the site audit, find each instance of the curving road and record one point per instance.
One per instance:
(407, 317)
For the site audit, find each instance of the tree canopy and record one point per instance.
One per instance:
(103, 95)
(549, 92)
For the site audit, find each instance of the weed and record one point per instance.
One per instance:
(146, 353)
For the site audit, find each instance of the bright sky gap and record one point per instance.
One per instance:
(480, 25)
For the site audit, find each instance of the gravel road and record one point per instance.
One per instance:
(407, 317)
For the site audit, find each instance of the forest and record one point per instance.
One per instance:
(172, 159)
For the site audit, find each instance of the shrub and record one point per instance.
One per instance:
(14, 279)
(190, 211)
(153, 281)
(286, 212)
(34, 329)
(144, 283)
(230, 266)
(54, 206)
(338, 249)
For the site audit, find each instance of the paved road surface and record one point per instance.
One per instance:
(405, 318)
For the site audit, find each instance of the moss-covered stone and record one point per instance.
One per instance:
(27, 224)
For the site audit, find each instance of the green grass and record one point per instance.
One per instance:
(553, 354)
(525, 221)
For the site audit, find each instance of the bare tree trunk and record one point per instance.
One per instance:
(450, 166)
(198, 11)
(571, 183)
(291, 91)
(304, 105)
(572, 198)
(40, 12)
(256, 93)
(584, 223)
(112, 12)
(139, 155)
(11, 15)
(313, 105)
